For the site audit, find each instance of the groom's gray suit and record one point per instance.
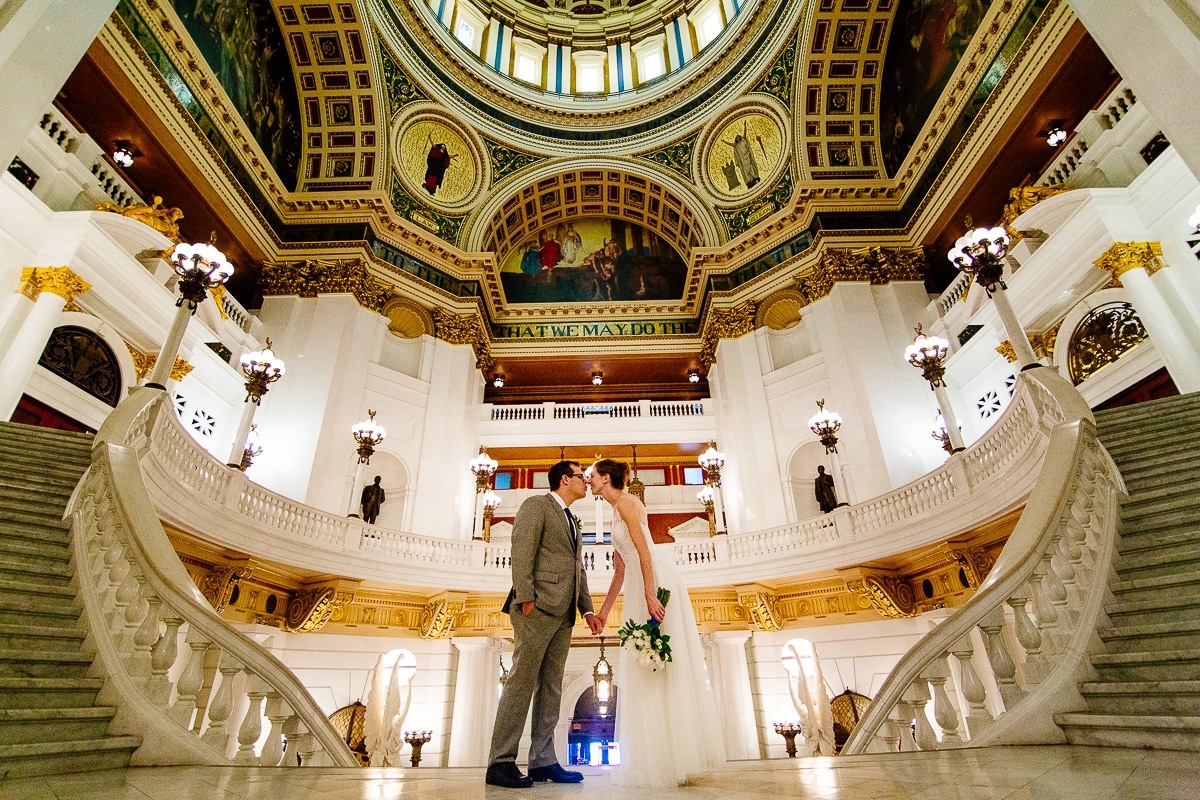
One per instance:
(547, 569)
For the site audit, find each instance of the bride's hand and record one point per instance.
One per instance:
(657, 612)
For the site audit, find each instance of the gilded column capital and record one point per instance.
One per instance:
(725, 323)
(1005, 349)
(142, 363)
(1043, 343)
(1124, 256)
(464, 329)
(55, 280)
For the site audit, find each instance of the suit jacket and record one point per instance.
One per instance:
(547, 567)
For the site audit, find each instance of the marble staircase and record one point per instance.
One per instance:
(1147, 691)
(50, 722)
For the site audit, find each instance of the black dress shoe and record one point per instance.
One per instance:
(554, 773)
(506, 774)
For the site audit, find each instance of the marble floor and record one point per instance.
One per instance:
(1018, 773)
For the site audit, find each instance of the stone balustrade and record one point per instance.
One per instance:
(1028, 629)
(196, 690)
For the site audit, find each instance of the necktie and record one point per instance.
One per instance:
(571, 526)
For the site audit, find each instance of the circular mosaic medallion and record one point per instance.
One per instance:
(439, 160)
(743, 153)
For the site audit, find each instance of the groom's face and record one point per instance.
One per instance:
(573, 484)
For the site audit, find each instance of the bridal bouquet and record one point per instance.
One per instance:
(651, 647)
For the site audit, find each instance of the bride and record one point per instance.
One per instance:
(667, 722)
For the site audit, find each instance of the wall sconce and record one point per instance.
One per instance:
(597, 377)
(498, 380)
(124, 153)
(694, 375)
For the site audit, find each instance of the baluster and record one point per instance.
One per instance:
(221, 705)
(1002, 664)
(904, 720)
(1035, 667)
(886, 739)
(135, 613)
(162, 658)
(979, 718)
(191, 680)
(277, 714)
(944, 713)
(251, 727)
(138, 664)
(1057, 592)
(917, 696)
(1043, 609)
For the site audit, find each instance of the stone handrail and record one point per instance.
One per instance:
(1055, 564)
(173, 668)
(628, 410)
(992, 478)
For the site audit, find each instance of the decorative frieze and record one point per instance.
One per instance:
(875, 265)
(313, 276)
(725, 323)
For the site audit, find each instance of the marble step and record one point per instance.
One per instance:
(19, 725)
(48, 692)
(1183, 581)
(23, 483)
(24, 515)
(1156, 562)
(1158, 501)
(1145, 665)
(30, 638)
(1135, 461)
(44, 664)
(1120, 730)
(1143, 698)
(1155, 610)
(20, 429)
(1174, 635)
(57, 758)
(24, 604)
(45, 573)
(36, 548)
(24, 457)
(1131, 414)
(1185, 537)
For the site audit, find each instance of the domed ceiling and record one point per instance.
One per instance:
(584, 161)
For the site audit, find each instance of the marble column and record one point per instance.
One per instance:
(729, 675)
(475, 699)
(1132, 264)
(51, 289)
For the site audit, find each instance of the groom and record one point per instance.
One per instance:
(549, 588)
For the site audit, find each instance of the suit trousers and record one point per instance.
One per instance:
(542, 642)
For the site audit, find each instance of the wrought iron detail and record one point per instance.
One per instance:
(80, 357)
(1100, 338)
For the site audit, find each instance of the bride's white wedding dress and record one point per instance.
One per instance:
(667, 723)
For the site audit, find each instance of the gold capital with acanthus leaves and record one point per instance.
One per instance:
(61, 281)
(314, 276)
(143, 363)
(1005, 349)
(725, 323)
(464, 329)
(1125, 256)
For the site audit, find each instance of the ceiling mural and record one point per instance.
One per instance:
(438, 159)
(744, 152)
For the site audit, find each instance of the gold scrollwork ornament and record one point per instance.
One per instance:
(761, 606)
(438, 617)
(218, 586)
(310, 609)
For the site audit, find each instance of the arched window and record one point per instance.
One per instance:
(80, 357)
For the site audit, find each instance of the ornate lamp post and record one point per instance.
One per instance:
(705, 496)
(368, 435)
(261, 368)
(483, 467)
(200, 267)
(491, 501)
(980, 253)
(417, 740)
(712, 460)
(928, 354)
(940, 433)
(826, 424)
(602, 681)
(252, 450)
(789, 731)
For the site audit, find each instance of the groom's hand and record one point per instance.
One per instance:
(595, 624)
(527, 607)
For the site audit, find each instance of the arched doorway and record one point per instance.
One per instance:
(593, 736)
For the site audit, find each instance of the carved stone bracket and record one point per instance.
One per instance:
(761, 606)
(218, 586)
(889, 594)
(440, 614)
(312, 606)
(464, 329)
(725, 323)
(974, 562)
(313, 276)
(875, 265)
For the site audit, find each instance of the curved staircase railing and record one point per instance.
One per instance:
(1056, 565)
(192, 686)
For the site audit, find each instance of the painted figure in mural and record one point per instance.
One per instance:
(826, 495)
(549, 590)
(531, 261)
(436, 164)
(743, 156)
(570, 241)
(372, 499)
(667, 720)
(551, 252)
(731, 176)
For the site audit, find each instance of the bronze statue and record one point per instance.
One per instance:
(372, 499)
(826, 496)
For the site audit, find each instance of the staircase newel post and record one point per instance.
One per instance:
(1003, 666)
(979, 718)
(1035, 667)
(162, 658)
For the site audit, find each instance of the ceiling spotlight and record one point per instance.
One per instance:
(597, 377)
(123, 153)
(1055, 137)
(498, 380)
(694, 375)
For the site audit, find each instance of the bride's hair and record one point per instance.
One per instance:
(615, 471)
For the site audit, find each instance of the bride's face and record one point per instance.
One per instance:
(595, 480)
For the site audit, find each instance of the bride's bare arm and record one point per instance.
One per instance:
(614, 588)
(628, 510)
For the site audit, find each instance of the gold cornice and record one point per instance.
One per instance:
(313, 276)
(1125, 256)
(61, 281)
(875, 265)
(725, 323)
(464, 329)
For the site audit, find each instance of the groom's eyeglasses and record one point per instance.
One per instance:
(579, 475)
